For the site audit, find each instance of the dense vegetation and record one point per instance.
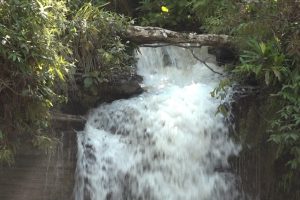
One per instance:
(101, 55)
(32, 60)
(268, 36)
(45, 45)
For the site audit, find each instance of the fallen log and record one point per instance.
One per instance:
(150, 35)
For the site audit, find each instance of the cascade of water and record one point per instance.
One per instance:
(166, 144)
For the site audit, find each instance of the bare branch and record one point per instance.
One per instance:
(6, 85)
(186, 46)
(204, 63)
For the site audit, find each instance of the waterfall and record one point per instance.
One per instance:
(166, 144)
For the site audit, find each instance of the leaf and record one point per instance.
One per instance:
(88, 82)
(262, 46)
(257, 69)
(294, 136)
(49, 103)
(24, 46)
(293, 164)
(60, 75)
(275, 138)
(267, 77)
(254, 45)
(6, 155)
(276, 73)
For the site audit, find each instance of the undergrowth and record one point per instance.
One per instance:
(45, 46)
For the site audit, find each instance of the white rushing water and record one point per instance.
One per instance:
(166, 144)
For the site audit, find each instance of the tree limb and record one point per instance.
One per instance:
(150, 35)
(204, 63)
(187, 46)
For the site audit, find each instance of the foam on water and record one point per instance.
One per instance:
(166, 144)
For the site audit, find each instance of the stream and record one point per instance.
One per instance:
(165, 144)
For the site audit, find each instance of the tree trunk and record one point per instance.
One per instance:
(149, 35)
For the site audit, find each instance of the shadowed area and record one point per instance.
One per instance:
(40, 176)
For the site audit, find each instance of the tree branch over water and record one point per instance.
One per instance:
(187, 46)
(204, 63)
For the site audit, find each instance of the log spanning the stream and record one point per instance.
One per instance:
(150, 35)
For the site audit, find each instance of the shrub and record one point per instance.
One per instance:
(98, 50)
(31, 61)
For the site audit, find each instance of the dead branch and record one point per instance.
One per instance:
(150, 35)
(187, 46)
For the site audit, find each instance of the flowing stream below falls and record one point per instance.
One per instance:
(165, 144)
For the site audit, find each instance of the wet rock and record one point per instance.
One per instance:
(40, 176)
(257, 164)
(123, 88)
(224, 55)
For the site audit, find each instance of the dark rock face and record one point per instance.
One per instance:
(224, 55)
(257, 164)
(40, 176)
(120, 88)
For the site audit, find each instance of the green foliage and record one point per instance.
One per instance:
(268, 36)
(265, 61)
(287, 126)
(221, 92)
(273, 58)
(32, 61)
(45, 143)
(98, 49)
(179, 12)
(187, 15)
(286, 132)
(44, 43)
(75, 5)
(6, 156)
